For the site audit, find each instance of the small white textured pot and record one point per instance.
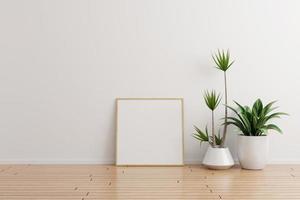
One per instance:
(218, 158)
(253, 151)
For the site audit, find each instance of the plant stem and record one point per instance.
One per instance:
(226, 112)
(213, 129)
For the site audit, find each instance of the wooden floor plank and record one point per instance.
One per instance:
(91, 182)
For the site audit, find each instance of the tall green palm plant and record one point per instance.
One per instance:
(212, 101)
(223, 62)
(255, 121)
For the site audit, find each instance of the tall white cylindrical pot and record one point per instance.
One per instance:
(253, 151)
(218, 158)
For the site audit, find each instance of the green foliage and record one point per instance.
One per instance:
(255, 121)
(218, 139)
(212, 100)
(222, 60)
(203, 136)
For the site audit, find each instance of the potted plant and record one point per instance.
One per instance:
(254, 125)
(218, 155)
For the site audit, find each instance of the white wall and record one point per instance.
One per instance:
(63, 62)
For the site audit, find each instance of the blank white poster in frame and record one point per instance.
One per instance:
(149, 131)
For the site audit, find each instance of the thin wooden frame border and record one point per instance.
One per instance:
(116, 126)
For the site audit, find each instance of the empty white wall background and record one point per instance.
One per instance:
(63, 63)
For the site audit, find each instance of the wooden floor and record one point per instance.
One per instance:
(87, 182)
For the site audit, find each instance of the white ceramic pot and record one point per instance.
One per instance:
(218, 158)
(253, 151)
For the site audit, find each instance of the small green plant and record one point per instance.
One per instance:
(222, 60)
(223, 63)
(255, 121)
(204, 136)
(212, 101)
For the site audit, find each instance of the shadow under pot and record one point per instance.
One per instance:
(253, 151)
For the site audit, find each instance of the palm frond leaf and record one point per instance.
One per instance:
(253, 121)
(201, 135)
(212, 99)
(222, 60)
